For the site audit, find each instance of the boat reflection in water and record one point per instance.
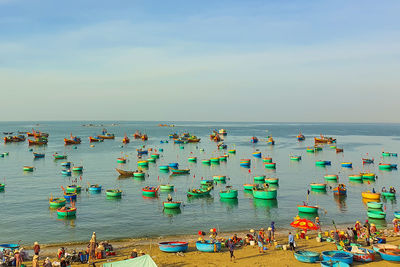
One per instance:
(341, 202)
(308, 216)
(229, 203)
(172, 212)
(265, 203)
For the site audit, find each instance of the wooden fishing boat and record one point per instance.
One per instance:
(121, 160)
(208, 246)
(106, 136)
(193, 139)
(307, 256)
(137, 135)
(267, 160)
(72, 141)
(38, 155)
(295, 158)
(70, 196)
(66, 172)
(125, 140)
(253, 140)
(150, 191)
(77, 168)
(94, 188)
(317, 186)
(376, 214)
(66, 212)
(199, 192)
(113, 193)
(347, 164)
(367, 161)
(331, 177)
(229, 193)
(324, 140)
(271, 181)
(390, 254)
(337, 256)
(57, 202)
(370, 195)
(317, 148)
(264, 193)
(144, 137)
(340, 190)
(40, 134)
(374, 205)
(180, 171)
(388, 154)
(270, 165)
(74, 189)
(232, 151)
(94, 139)
(307, 208)
(59, 156)
(28, 168)
(166, 187)
(300, 137)
(377, 247)
(37, 142)
(257, 154)
(355, 177)
(172, 204)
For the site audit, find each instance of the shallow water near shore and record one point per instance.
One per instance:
(25, 213)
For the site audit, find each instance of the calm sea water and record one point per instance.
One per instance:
(25, 213)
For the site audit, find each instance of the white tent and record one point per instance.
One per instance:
(142, 261)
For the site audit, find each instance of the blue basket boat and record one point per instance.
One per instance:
(307, 256)
(9, 246)
(173, 247)
(390, 254)
(334, 264)
(337, 256)
(207, 246)
(173, 165)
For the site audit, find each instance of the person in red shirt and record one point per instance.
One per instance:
(36, 248)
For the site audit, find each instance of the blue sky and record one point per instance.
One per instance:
(200, 60)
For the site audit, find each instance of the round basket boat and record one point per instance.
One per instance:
(164, 168)
(295, 158)
(206, 161)
(320, 163)
(70, 196)
(66, 172)
(317, 186)
(28, 168)
(143, 163)
(77, 169)
(74, 189)
(166, 187)
(232, 151)
(151, 160)
(66, 212)
(270, 165)
(2, 186)
(57, 202)
(219, 178)
(347, 164)
(374, 205)
(337, 256)
(257, 154)
(149, 191)
(355, 177)
(172, 204)
(95, 188)
(267, 160)
(173, 247)
(138, 174)
(66, 164)
(307, 209)
(259, 178)
(192, 159)
(207, 246)
(248, 186)
(331, 177)
(121, 160)
(113, 193)
(376, 214)
(272, 181)
(310, 150)
(155, 156)
(265, 194)
(230, 193)
(307, 256)
(368, 176)
(173, 165)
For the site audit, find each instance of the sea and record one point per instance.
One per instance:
(25, 215)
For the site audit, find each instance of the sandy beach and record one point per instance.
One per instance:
(247, 255)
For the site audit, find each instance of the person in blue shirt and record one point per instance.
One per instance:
(273, 230)
(291, 241)
(231, 246)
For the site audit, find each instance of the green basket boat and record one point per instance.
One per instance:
(144, 163)
(307, 209)
(113, 193)
(376, 214)
(333, 147)
(320, 163)
(2, 186)
(6, 153)
(164, 168)
(155, 156)
(230, 193)
(318, 148)
(66, 212)
(214, 160)
(74, 189)
(386, 154)
(57, 202)
(295, 158)
(206, 161)
(355, 177)
(199, 192)
(331, 177)
(267, 160)
(77, 169)
(138, 174)
(388, 194)
(248, 186)
(270, 165)
(219, 178)
(121, 160)
(265, 193)
(374, 205)
(192, 159)
(152, 160)
(60, 156)
(232, 151)
(271, 181)
(28, 168)
(316, 186)
(166, 187)
(172, 204)
(310, 150)
(259, 178)
(368, 175)
(150, 191)
(223, 158)
(206, 182)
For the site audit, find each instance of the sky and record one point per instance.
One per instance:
(272, 61)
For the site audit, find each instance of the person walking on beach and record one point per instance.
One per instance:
(368, 230)
(260, 240)
(291, 242)
(273, 230)
(36, 248)
(231, 246)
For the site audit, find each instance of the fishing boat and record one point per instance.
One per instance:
(223, 158)
(249, 186)
(138, 174)
(199, 192)
(206, 161)
(331, 177)
(222, 132)
(370, 195)
(74, 189)
(267, 160)
(271, 181)
(253, 140)
(143, 163)
(377, 247)
(219, 178)
(208, 246)
(368, 175)
(142, 152)
(214, 160)
(150, 191)
(317, 186)
(270, 141)
(77, 168)
(37, 142)
(2, 186)
(94, 139)
(66, 164)
(172, 204)
(155, 155)
(94, 188)
(10, 246)
(38, 155)
(259, 178)
(390, 254)
(57, 202)
(310, 150)
(28, 168)
(265, 193)
(367, 161)
(337, 256)
(164, 168)
(113, 193)
(307, 256)
(180, 171)
(389, 154)
(374, 205)
(376, 214)
(144, 137)
(173, 247)
(66, 172)
(72, 141)
(245, 164)
(386, 166)
(66, 212)
(307, 208)
(270, 165)
(228, 193)
(347, 164)
(166, 187)
(173, 165)
(300, 137)
(121, 160)
(340, 190)
(388, 194)
(339, 150)
(324, 140)
(361, 254)
(124, 173)
(70, 196)
(137, 135)
(295, 158)
(125, 140)
(257, 154)
(59, 156)
(355, 177)
(320, 163)
(106, 136)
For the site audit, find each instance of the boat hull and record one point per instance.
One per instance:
(173, 247)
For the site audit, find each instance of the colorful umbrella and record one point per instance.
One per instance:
(304, 224)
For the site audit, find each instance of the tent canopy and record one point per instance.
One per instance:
(142, 261)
